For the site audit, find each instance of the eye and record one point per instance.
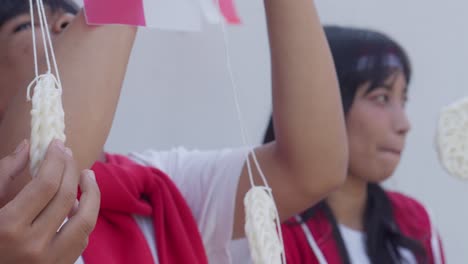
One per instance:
(382, 99)
(64, 25)
(22, 27)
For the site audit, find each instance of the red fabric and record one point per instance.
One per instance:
(410, 216)
(413, 221)
(129, 189)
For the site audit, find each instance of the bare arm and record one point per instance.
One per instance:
(92, 62)
(309, 158)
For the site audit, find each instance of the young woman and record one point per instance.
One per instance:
(361, 222)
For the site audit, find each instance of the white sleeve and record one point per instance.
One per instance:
(208, 181)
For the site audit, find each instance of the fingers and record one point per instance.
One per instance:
(52, 217)
(39, 192)
(73, 236)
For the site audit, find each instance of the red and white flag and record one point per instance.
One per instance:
(180, 15)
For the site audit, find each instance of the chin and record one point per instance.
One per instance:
(374, 171)
(382, 173)
(379, 180)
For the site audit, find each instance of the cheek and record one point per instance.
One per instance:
(365, 160)
(21, 53)
(20, 66)
(364, 128)
(16, 68)
(366, 164)
(21, 50)
(361, 134)
(362, 160)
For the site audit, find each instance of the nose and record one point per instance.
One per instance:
(401, 122)
(61, 23)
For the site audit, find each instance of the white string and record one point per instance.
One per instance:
(234, 88)
(33, 29)
(312, 243)
(49, 39)
(46, 39)
(43, 32)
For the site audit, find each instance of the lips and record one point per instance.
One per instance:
(394, 151)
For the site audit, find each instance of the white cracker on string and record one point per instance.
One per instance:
(260, 227)
(47, 115)
(452, 138)
(262, 223)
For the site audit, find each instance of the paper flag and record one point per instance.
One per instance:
(180, 15)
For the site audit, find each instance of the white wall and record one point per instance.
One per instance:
(177, 91)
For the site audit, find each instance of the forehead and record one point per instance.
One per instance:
(12, 8)
(395, 82)
(395, 79)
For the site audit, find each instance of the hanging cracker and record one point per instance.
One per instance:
(452, 138)
(260, 227)
(47, 115)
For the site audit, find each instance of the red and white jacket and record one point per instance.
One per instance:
(411, 217)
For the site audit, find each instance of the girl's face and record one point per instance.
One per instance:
(377, 125)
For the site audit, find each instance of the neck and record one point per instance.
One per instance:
(349, 203)
(102, 157)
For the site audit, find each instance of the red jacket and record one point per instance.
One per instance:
(411, 217)
(129, 189)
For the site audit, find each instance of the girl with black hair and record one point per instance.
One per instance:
(361, 222)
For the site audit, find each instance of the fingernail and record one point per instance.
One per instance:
(90, 174)
(59, 144)
(20, 147)
(69, 152)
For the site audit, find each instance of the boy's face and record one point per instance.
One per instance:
(16, 52)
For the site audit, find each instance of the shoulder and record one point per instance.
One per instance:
(180, 157)
(411, 215)
(317, 223)
(195, 167)
(401, 201)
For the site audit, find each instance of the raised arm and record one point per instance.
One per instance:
(310, 155)
(92, 62)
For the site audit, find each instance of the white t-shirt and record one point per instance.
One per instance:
(208, 181)
(240, 251)
(354, 242)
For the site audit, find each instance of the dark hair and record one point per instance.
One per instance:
(12, 8)
(363, 56)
